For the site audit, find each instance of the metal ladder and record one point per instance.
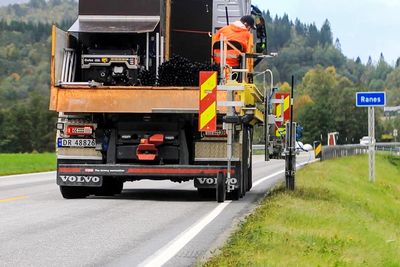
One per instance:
(68, 66)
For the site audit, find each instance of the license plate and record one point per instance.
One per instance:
(70, 142)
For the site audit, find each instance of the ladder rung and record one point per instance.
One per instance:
(230, 103)
(230, 87)
(276, 101)
(240, 70)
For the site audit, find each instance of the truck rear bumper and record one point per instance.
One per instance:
(143, 171)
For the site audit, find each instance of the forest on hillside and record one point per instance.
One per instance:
(326, 80)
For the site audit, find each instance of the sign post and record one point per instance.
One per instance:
(371, 143)
(371, 100)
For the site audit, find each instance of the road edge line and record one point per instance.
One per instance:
(167, 252)
(24, 174)
(173, 247)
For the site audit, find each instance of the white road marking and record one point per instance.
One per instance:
(26, 174)
(18, 179)
(172, 248)
(259, 181)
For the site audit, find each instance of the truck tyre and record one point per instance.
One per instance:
(234, 195)
(244, 169)
(221, 188)
(110, 187)
(73, 192)
(117, 187)
(206, 192)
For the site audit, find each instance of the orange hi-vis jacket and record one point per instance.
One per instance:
(233, 32)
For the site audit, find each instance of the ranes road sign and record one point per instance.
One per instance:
(370, 99)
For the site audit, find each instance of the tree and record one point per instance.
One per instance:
(300, 28)
(326, 34)
(313, 35)
(369, 62)
(382, 69)
(338, 46)
(331, 103)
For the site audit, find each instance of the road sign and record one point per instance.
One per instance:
(208, 101)
(370, 99)
(395, 132)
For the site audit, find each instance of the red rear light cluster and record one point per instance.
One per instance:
(79, 130)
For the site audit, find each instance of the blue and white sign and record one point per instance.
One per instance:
(370, 99)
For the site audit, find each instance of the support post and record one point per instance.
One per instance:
(266, 111)
(157, 52)
(290, 156)
(371, 144)
(147, 50)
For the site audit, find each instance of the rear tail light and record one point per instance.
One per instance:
(79, 130)
(60, 126)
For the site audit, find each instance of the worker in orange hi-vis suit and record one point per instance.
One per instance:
(238, 33)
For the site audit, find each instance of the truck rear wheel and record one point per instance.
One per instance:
(246, 158)
(206, 192)
(110, 187)
(73, 192)
(234, 195)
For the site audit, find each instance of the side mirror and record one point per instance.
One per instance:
(261, 46)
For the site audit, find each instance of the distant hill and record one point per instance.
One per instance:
(51, 11)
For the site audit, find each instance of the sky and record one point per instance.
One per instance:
(364, 27)
(7, 2)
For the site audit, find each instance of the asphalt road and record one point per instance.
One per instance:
(151, 223)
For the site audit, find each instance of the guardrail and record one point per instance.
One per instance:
(329, 152)
(258, 147)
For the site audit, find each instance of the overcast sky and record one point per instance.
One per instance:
(7, 2)
(364, 27)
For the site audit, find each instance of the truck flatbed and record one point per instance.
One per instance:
(127, 99)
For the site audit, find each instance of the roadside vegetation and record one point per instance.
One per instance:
(336, 217)
(26, 163)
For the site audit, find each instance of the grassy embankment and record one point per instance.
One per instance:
(334, 218)
(26, 163)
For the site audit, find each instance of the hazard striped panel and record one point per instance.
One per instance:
(286, 112)
(208, 101)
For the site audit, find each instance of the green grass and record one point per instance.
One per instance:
(26, 163)
(334, 218)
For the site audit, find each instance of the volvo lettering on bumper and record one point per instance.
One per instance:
(79, 180)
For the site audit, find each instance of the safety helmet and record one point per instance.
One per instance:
(249, 20)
